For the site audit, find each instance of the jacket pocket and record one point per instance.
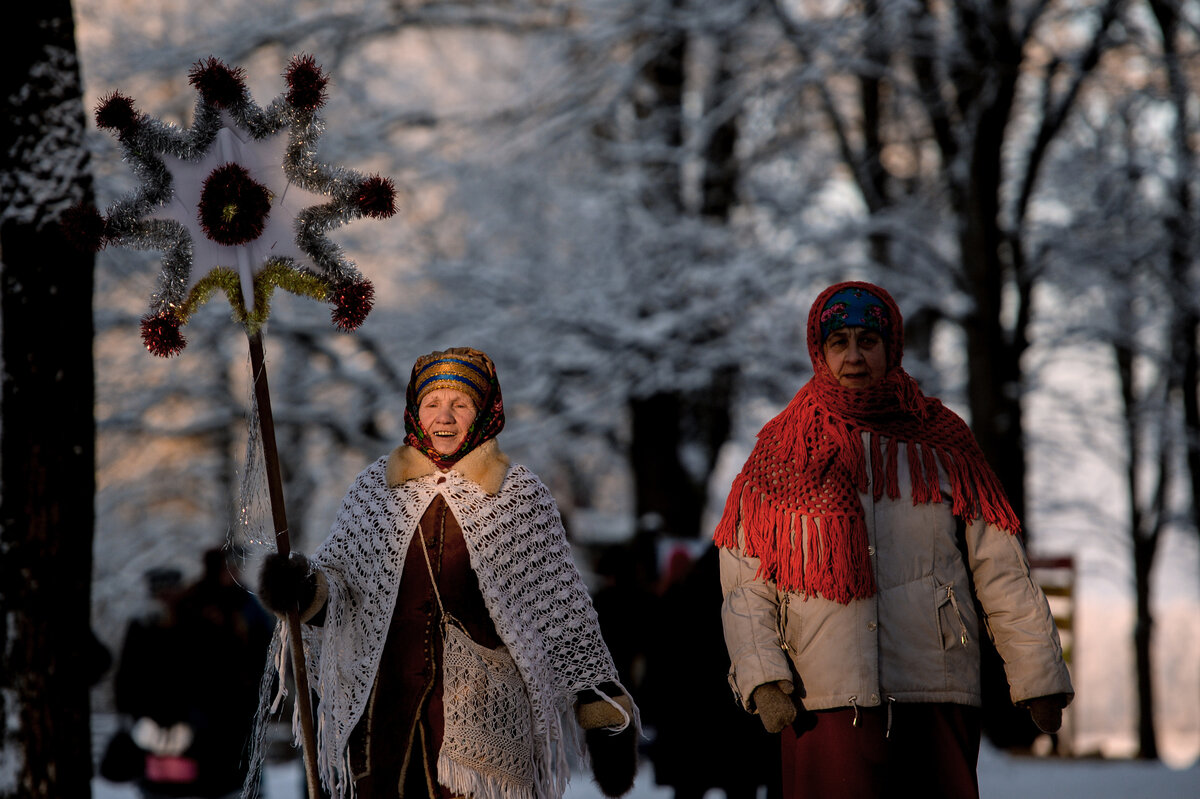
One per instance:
(952, 629)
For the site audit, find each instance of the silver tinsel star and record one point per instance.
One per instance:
(238, 203)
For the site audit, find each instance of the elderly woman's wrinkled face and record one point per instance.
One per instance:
(446, 415)
(856, 356)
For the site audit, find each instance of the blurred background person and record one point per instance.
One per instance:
(702, 739)
(187, 682)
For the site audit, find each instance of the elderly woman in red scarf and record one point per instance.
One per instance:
(446, 530)
(855, 541)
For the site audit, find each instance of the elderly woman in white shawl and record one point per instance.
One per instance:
(446, 529)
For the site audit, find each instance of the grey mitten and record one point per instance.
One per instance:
(775, 707)
(1047, 711)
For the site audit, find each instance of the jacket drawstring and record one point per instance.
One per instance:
(854, 704)
(891, 700)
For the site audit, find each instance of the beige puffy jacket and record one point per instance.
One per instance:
(917, 638)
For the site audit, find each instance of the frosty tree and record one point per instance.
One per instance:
(48, 660)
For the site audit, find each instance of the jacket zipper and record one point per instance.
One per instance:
(957, 613)
(781, 623)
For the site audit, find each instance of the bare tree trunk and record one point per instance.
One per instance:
(1143, 528)
(721, 167)
(668, 501)
(1185, 360)
(48, 430)
(1190, 377)
(665, 489)
(659, 111)
(1143, 561)
(993, 353)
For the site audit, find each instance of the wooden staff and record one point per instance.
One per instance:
(262, 396)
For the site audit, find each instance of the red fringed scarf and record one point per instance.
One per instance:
(809, 464)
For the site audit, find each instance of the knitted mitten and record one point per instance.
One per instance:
(1047, 711)
(613, 754)
(775, 707)
(598, 713)
(289, 583)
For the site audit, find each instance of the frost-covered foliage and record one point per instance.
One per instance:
(555, 208)
(38, 196)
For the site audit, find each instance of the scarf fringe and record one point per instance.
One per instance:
(797, 501)
(828, 558)
(814, 553)
(468, 780)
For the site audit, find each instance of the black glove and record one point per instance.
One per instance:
(613, 754)
(775, 707)
(287, 583)
(1047, 711)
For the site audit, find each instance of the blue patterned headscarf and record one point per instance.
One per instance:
(855, 307)
(462, 369)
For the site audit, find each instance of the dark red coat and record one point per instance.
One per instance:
(403, 721)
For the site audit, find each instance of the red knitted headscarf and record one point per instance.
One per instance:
(809, 463)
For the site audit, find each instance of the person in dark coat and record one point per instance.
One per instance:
(687, 695)
(188, 681)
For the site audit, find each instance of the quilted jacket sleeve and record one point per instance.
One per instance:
(1017, 614)
(750, 617)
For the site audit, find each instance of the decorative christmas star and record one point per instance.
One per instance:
(237, 202)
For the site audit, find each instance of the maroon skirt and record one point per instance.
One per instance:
(917, 749)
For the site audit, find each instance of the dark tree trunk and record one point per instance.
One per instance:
(993, 352)
(659, 112)
(1181, 229)
(668, 501)
(666, 490)
(48, 429)
(1144, 526)
(670, 497)
(1191, 410)
(1143, 560)
(994, 384)
(721, 167)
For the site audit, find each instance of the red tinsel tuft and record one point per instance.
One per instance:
(83, 227)
(117, 112)
(162, 335)
(233, 207)
(377, 197)
(353, 302)
(218, 84)
(306, 83)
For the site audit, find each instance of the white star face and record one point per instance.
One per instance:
(264, 160)
(244, 185)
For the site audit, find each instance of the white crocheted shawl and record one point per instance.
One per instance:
(530, 585)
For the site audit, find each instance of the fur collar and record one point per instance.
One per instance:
(485, 466)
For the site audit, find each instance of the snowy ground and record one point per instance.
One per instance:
(1000, 776)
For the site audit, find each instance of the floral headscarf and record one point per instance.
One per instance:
(463, 369)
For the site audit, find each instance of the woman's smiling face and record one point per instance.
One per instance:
(446, 415)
